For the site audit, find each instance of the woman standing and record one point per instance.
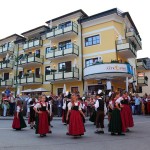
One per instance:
(42, 126)
(76, 126)
(18, 122)
(115, 125)
(126, 113)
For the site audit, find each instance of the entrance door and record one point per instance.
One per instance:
(20, 74)
(94, 88)
(6, 76)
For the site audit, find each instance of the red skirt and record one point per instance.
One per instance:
(43, 125)
(148, 107)
(126, 117)
(76, 126)
(16, 122)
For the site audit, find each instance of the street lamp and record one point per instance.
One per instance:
(16, 59)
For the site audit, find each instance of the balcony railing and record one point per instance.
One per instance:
(32, 58)
(55, 32)
(73, 50)
(143, 80)
(32, 44)
(6, 82)
(63, 75)
(132, 34)
(6, 65)
(29, 78)
(141, 65)
(6, 49)
(127, 48)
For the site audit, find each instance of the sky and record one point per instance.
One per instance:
(17, 16)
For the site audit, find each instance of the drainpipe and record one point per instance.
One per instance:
(82, 54)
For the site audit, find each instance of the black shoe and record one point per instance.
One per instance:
(67, 133)
(65, 124)
(127, 130)
(51, 126)
(50, 132)
(41, 135)
(121, 134)
(113, 134)
(97, 132)
(31, 128)
(101, 132)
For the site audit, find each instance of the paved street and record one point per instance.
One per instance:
(137, 139)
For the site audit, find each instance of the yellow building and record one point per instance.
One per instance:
(86, 53)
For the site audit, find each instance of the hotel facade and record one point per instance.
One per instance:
(86, 53)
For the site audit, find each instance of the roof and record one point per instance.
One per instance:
(74, 12)
(99, 15)
(11, 36)
(43, 26)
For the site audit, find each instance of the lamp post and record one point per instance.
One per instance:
(16, 59)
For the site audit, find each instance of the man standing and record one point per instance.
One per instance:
(137, 100)
(99, 106)
(12, 104)
(7, 91)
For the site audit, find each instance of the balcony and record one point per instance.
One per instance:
(6, 66)
(131, 34)
(72, 51)
(126, 48)
(141, 65)
(6, 82)
(5, 50)
(32, 60)
(66, 31)
(108, 70)
(142, 80)
(32, 44)
(29, 79)
(73, 74)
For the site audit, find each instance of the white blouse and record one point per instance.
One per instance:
(76, 104)
(38, 105)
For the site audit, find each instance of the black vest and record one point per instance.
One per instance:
(101, 105)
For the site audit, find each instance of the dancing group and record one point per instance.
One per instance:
(119, 114)
(40, 113)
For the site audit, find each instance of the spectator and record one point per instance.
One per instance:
(5, 105)
(59, 106)
(7, 91)
(12, 104)
(137, 100)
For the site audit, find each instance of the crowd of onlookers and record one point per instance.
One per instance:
(139, 105)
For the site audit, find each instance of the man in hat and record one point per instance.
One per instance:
(99, 106)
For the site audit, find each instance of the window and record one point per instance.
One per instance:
(74, 90)
(64, 66)
(59, 91)
(90, 62)
(48, 50)
(37, 53)
(6, 76)
(64, 25)
(65, 45)
(93, 40)
(47, 70)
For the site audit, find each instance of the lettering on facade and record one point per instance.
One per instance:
(116, 68)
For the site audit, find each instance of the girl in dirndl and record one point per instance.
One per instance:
(76, 125)
(41, 109)
(18, 121)
(126, 112)
(115, 124)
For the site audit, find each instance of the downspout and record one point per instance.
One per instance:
(82, 55)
